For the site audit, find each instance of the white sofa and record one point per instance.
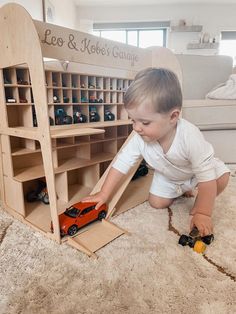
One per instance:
(216, 118)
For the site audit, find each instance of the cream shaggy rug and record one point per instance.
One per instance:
(147, 272)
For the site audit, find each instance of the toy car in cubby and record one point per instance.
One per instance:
(11, 100)
(56, 99)
(195, 241)
(79, 117)
(93, 115)
(108, 115)
(78, 215)
(84, 99)
(40, 193)
(61, 117)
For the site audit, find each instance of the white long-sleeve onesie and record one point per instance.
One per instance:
(189, 157)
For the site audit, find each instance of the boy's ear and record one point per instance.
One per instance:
(175, 114)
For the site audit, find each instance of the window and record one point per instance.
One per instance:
(143, 34)
(228, 44)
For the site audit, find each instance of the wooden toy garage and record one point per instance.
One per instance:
(41, 139)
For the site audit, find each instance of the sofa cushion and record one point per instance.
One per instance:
(202, 73)
(210, 114)
(224, 143)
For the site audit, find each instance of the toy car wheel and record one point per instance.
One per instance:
(72, 230)
(45, 199)
(208, 239)
(102, 215)
(145, 171)
(183, 240)
(199, 247)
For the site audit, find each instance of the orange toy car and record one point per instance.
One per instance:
(79, 215)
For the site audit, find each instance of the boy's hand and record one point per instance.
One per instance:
(203, 224)
(100, 198)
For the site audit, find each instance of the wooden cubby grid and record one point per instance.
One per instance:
(74, 157)
(73, 92)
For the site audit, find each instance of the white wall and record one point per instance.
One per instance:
(214, 19)
(34, 7)
(65, 11)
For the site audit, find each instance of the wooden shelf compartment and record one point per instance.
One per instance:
(65, 142)
(48, 78)
(58, 94)
(81, 181)
(19, 116)
(76, 96)
(25, 94)
(84, 81)
(34, 172)
(66, 80)
(22, 146)
(11, 93)
(37, 213)
(75, 163)
(9, 76)
(25, 161)
(22, 76)
(109, 147)
(61, 79)
(70, 153)
(99, 83)
(120, 98)
(56, 79)
(75, 81)
(113, 97)
(67, 96)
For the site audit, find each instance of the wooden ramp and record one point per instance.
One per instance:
(96, 237)
(122, 187)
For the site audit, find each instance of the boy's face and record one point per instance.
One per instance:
(153, 126)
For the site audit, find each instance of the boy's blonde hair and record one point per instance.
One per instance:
(157, 87)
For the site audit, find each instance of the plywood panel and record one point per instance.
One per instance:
(96, 237)
(67, 44)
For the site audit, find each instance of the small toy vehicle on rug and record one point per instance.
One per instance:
(195, 241)
(78, 215)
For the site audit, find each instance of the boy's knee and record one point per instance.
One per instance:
(159, 202)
